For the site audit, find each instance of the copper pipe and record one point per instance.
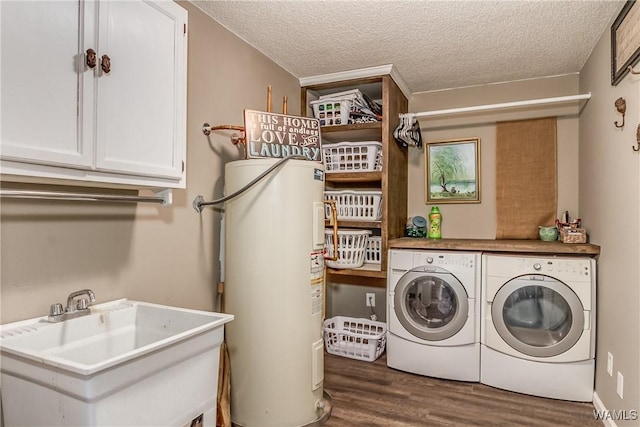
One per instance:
(235, 138)
(284, 105)
(334, 221)
(207, 128)
(269, 99)
(238, 139)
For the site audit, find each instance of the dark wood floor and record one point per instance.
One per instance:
(369, 394)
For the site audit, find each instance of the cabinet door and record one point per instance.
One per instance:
(141, 100)
(45, 82)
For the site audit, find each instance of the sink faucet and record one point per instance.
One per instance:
(82, 304)
(58, 314)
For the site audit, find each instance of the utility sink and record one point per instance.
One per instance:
(127, 363)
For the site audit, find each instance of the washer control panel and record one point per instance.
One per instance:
(444, 260)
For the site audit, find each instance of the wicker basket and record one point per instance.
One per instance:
(573, 235)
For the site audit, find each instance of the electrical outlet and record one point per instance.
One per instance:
(370, 299)
(610, 364)
(620, 385)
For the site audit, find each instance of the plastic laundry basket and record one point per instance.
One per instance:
(351, 248)
(361, 339)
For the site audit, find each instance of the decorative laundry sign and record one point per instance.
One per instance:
(281, 135)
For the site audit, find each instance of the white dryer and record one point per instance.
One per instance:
(539, 323)
(433, 313)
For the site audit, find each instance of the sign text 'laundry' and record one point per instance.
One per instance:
(280, 135)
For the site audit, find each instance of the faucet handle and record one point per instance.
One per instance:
(83, 304)
(56, 310)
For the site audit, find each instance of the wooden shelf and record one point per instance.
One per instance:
(488, 245)
(376, 126)
(353, 132)
(360, 277)
(391, 181)
(353, 177)
(357, 224)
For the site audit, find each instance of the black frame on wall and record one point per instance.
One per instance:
(622, 41)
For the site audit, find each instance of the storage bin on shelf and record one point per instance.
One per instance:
(570, 232)
(373, 252)
(361, 339)
(573, 235)
(351, 248)
(332, 112)
(348, 156)
(355, 205)
(350, 106)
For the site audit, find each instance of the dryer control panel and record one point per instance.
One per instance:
(568, 269)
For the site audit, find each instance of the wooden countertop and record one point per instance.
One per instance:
(487, 245)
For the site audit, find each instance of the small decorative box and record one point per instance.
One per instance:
(573, 235)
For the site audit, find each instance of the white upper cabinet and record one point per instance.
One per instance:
(138, 130)
(122, 120)
(45, 83)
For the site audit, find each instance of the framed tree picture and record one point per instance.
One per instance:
(452, 171)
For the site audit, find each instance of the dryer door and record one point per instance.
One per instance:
(538, 315)
(431, 303)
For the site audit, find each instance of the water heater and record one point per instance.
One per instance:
(274, 273)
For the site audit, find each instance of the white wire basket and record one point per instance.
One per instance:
(373, 252)
(355, 205)
(332, 112)
(351, 248)
(361, 339)
(348, 156)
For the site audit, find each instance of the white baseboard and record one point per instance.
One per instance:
(597, 403)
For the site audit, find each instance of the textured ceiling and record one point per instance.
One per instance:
(433, 44)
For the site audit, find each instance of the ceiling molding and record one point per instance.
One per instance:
(360, 73)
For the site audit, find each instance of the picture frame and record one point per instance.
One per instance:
(625, 41)
(452, 171)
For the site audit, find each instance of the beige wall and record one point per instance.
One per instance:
(145, 252)
(610, 206)
(479, 220)
(169, 256)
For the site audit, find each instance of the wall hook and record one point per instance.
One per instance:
(621, 106)
(637, 147)
(632, 71)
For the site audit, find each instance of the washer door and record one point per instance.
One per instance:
(538, 315)
(431, 303)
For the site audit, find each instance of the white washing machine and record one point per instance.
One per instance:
(538, 325)
(433, 313)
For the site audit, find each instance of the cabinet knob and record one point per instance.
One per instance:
(106, 63)
(91, 58)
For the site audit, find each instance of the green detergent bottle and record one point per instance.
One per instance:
(435, 221)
